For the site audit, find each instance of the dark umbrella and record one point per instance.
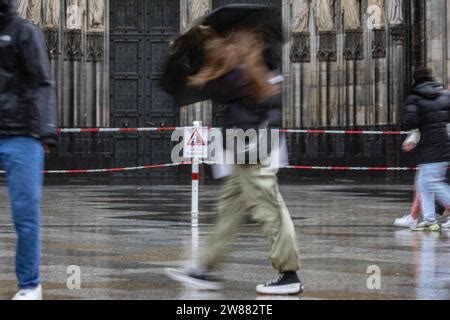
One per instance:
(186, 54)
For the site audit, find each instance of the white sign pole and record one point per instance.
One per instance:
(195, 176)
(194, 200)
(195, 148)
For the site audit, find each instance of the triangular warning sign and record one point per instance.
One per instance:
(196, 139)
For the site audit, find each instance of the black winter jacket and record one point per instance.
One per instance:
(428, 109)
(27, 96)
(227, 90)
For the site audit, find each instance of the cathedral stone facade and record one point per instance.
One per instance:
(347, 64)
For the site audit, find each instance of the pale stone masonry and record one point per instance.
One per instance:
(340, 70)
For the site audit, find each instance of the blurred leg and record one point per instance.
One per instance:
(415, 209)
(268, 208)
(230, 213)
(430, 181)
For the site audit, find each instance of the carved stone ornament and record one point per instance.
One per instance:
(75, 10)
(301, 49)
(300, 12)
(197, 8)
(395, 11)
(327, 46)
(398, 33)
(34, 10)
(72, 45)
(376, 13)
(95, 52)
(324, 14)
(22, 8)
(50, 13)
(354, 45)
(96, 15)
(52, 40)
(379, 44)
(351, 14)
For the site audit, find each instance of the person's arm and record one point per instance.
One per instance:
(411, 141)
(411, 122)
(36, 64)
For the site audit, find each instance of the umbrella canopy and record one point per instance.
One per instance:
(265, 18)
(186, 51)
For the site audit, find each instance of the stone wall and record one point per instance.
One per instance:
(437, 42)
(340, 72)
(190, 11)
(76, 32)
(345, 63)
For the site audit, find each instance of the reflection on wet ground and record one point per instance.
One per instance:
(122, 237)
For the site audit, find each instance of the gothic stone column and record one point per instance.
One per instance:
(292, 52)
(437, 31)
(202, 111)
(396, 64)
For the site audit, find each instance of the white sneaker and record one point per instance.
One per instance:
(406, 222)
(199, 279)
(29, 294)
(446, 225)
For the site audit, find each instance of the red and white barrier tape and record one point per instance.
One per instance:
(195, 175)
(351, 168)
(113, 130)
(339, 168)
(113, 169)
(164, 129)
(346, 132)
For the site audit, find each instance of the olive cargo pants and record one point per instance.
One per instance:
(248, 190)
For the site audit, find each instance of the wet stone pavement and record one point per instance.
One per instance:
(122, 238)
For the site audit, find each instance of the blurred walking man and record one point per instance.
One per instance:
(27, 122)
(428, 108)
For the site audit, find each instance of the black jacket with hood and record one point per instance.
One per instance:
(27, 96)
(428, 109)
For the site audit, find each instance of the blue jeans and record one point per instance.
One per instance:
(23, 159)
(430, 181)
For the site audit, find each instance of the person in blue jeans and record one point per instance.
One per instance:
(428, 108)
(28, 120)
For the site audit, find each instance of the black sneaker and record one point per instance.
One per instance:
(197, 278)
(285, 283)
